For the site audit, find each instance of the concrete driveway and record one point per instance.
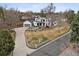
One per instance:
(20, 45)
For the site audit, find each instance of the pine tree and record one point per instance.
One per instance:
(6, 43)
(75, 29)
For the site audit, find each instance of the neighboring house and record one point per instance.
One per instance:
(38, 22)
(27, 24)
(42, 22)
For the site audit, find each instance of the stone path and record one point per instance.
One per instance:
(20, 45)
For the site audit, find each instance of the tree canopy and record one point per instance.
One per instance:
(50, 8)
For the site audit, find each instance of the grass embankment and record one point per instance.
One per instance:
(36, 38)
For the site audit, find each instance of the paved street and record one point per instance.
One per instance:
(20, 45)
(53, 48)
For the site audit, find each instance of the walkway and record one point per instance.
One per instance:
(20, 45)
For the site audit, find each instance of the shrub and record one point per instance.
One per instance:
(44, 39)
(6, 43)
(13, 34)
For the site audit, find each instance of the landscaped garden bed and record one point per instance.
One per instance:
(35, 39)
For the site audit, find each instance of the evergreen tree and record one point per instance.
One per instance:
(6, 43)
(75, 29)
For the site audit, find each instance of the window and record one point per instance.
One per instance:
(37, 24)
(27, 25)
(40, 24)
(43, 20)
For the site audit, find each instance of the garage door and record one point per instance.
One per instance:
(27, 25)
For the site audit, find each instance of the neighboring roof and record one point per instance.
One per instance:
(27, 22)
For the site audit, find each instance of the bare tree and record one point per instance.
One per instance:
(69, 15)
(2, 13)
(50, 8)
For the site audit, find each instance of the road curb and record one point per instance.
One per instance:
(51, 41)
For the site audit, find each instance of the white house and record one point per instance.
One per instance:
(27, 24)
(35, 23)
(38, 22)
(42, 22)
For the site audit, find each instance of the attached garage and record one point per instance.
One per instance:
(27, 24)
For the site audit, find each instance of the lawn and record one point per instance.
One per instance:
(36, 38)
